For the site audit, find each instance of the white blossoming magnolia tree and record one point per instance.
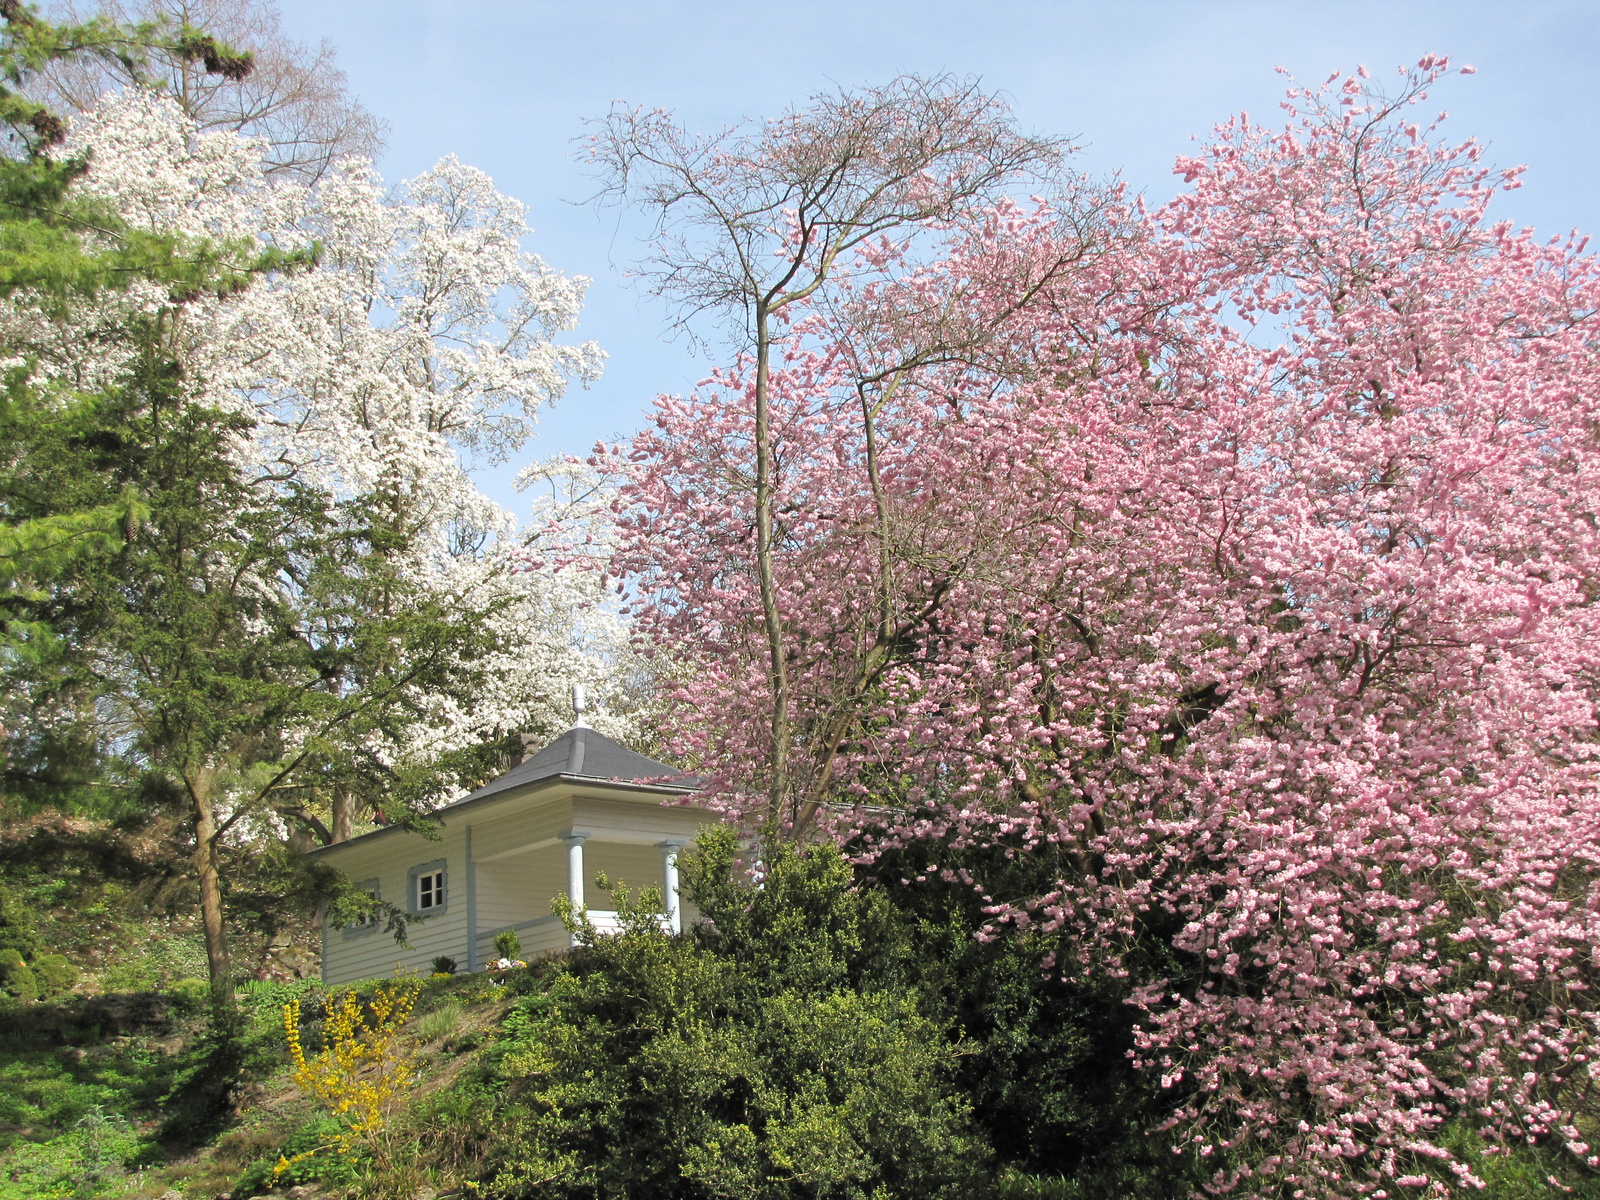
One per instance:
(358, 390)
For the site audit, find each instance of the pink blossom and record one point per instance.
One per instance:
(1252, 561)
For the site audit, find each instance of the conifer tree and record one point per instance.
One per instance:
(64, 248)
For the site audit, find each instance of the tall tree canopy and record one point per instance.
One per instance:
(314, 616)
(62, 247)
(756, 220)
(1250, 565)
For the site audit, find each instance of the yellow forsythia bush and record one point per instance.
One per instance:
(363, 1071)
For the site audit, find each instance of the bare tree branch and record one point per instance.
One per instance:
(295, 98)
(756, 218)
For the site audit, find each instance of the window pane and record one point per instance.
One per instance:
(366, 918)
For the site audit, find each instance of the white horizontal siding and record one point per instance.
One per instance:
(641, 822)
(520, 866)
(373, 953)
(539, 936)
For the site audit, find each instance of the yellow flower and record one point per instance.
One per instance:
(365, 1069)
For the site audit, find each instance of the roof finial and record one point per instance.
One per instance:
(578, 707)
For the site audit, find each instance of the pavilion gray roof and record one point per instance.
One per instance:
(582, 753)
(579, 753)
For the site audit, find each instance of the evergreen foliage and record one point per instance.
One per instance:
(170, 612)
(195, 617)
(17, 978)
(19, 928)
(84, 473)
(55, 974)
(507, 944)
(833, 1031)
(1045, 1062)
(823, 1034)
(64, 248)
(757, 1058)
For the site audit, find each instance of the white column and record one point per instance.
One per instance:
(574, 843)
(669, 886)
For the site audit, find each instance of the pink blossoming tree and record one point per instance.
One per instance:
(1252, 562)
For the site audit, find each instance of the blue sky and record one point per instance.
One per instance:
(506, 85)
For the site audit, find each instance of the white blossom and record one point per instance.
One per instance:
(424, 337)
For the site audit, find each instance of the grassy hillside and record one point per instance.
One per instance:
(93, 1051)
(115, 898)
(87, 1092)
(819, 1038)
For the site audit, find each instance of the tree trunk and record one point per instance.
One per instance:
(771, 617)
(344, 815)
(825, 749)
(202, 789)
(869, 426)
(301, 840)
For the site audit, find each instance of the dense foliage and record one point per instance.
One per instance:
(1152, 651)
(739, 1062)
(253, 574)
(811, 1039)
(831, 1031)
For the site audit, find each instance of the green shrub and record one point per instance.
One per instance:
(154, 962)
(741, 1063)
(445, 965)
(261, 1004)
(507, 944)
(84, 1161)
(326, 1166)
(1046, 1060)
(1513, 1170)
(837, 1032)
(19, 928)
(55, 973)
(17, 978)
(69, 1127)
(188, 997)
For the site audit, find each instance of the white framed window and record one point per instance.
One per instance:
(430, 891)
(367, 921)
(429, 888)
